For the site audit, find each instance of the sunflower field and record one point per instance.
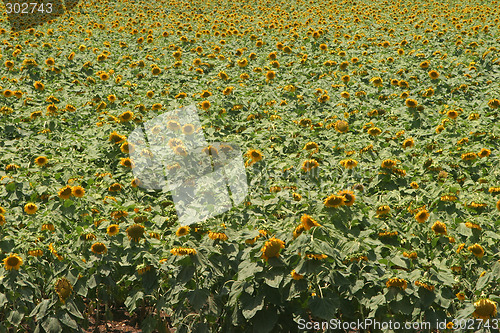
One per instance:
(370, 131)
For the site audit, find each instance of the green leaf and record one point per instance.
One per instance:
(324, 308)
(248, 269)
(273, 278)
(52, 325)
(198, 298)
(264, 321)
(68, 321)
(131, 301)
(149, 324)
(3, 299)
(251, 304)
(15, 317)
(72, 309)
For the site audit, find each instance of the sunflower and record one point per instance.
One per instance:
(127, 162)
(485, 309)
(476, 250)
(188, 129)
(397, 283)
(383, 210)
(65, 192)
(116, 138)
(349, 163)
(411, 103)
(174, 142)
(308, 222)
(452, 114)
(13, 261)
(135, 182)
(439, 228)
(8, 93)
(205, 105)
(374, 131)
(182, 231)
(180, 150)
(422, 216)
(408, 143)
(388, 164)
(349, 197)
(127, 148)
(433, 74)
(271, 248)
(2, 220)
(217, 236)
(104, 76)
(63, 288)
(469, 156)
(156, 70)
(460, 296)
(156, 106)
(210, 150)
(308, 165)
(30, 208)
(270, 75)
(112, 229)
(498, 205)
(484, 153)
(334, 201)
(78, 191)
(424, 64)
(494, 103)
(135, 232)
(173, 125)
(126, 116)
(41, 160)
(115, 187)
(311, 145)
(183, 251)
(98, 248)
(377, 82)
(341, 126)
(255, 155)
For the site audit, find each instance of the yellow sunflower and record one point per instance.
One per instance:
(30, 208)
(112, 229)
(13, 261)
(63, 289)
(135, 232)
(334, 201)
(65, 192)
(308, 222)
(182, 231)
(271, 248)
(98, 248)
(41, 160)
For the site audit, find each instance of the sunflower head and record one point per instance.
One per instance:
(98, 248)
(334, 201)
(13, 261)
(422, 216)
(182, 231)
(348, 196)
(41, 160)
(308, 222)
(113, 229)
(271, 248)
(30, 208)
(63, 289)
(135, 232)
